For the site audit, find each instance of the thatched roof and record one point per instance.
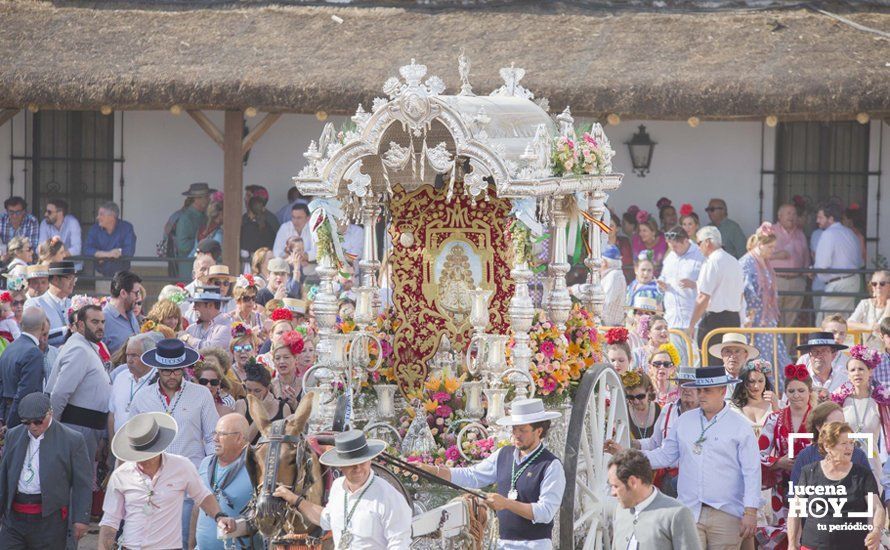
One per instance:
(639, 64)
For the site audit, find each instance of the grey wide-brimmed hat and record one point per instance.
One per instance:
(199, 190)
(709, 377)
(351, 448)
(527, 411)
(144, 436)
(34, 406)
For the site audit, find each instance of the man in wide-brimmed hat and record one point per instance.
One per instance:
(363, 511)
(148, 490)
(56, 300)
(719, 463)
(210, 330)
(821, 349)
(190, 221)
(219, 276)
(190, 404)
(38, 280)
(530, 479)
(735, 352)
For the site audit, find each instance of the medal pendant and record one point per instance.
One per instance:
(697, 448)
(345, 540)
(513, 494)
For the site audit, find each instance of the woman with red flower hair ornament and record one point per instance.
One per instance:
(617, 351)
(866, 404)
(282, 321)
(761, 292)
(689, 221)
(776, 451)
(288, 383)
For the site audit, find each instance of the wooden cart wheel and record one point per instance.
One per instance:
(599, 413)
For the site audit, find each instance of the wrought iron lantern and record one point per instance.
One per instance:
(641, 147)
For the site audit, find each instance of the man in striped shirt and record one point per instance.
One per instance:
(189, 403)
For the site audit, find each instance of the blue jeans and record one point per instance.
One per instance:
(187, 506)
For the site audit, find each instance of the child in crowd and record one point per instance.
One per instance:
(644, 284)
(9, 328)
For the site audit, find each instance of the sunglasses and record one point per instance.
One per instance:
(242, 347)
(18, 302)
(170, 372)
(33, 422)
(221, 283)
(662, 364)
(139, 303)
(637, 397)
(674, 236)
(876, 284)
(248, 298)
(213, 381)
(713, 208)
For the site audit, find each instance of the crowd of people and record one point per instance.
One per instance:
(142, 413)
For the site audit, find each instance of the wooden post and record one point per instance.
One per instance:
(233, 189)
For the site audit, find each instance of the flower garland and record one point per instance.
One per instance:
(521, 239)
(879, 393)
(240, 330)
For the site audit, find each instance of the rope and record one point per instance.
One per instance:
(851, 23)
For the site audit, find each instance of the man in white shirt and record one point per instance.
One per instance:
(57, 221)
(614, 287)
(127, 384)
(838, 248)
(679, 274)
(363, 511)
(719, 463)
(721, 287)
(298, 226)
(821, 349)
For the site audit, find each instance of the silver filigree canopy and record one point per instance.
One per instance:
(506, 136)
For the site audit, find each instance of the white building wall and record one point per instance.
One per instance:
(164, 153)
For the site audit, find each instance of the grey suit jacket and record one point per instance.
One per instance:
(21, 372)
(663, 525)
(66, 473)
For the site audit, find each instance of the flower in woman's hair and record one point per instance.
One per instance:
(631, 379)
(180, 285)
(633, 209)
(6, 297)
(239, 329)
(294, 341)
(282, 314)
(217, 197)
(796, 372)
(148, 326)
(766, 229)
(663, 202)
(686, 209)
(853, 206)
(245, 281)
(642, 216)
(671, 350)
(178, 297)
(616, 335)
(870, 357)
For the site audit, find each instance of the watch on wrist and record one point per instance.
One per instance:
(219, 515)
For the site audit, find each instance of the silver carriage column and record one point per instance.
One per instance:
(592, 293)
(559, 304)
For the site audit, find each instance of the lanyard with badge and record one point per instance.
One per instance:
(346, 538)
(514, 475)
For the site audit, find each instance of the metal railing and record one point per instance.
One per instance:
(749, 333)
